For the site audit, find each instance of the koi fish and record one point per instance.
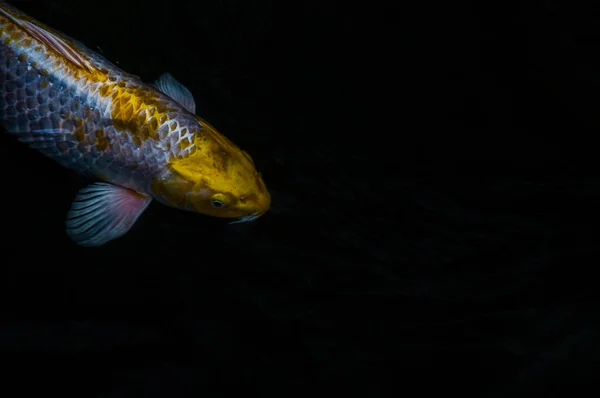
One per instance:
(137, 141)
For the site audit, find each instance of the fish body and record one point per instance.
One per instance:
(141, 141)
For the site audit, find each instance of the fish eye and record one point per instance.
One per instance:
(217, 203)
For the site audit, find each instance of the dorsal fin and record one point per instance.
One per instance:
(51, 40)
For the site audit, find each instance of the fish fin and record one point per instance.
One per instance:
(51, 40)
(47, 140)
(168, 85)
(102, 212)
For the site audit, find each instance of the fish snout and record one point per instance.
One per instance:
(263, 204)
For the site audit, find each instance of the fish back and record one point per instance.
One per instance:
(88, 120)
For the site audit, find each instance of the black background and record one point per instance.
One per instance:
(434, 178)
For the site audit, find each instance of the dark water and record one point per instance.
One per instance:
(434, 224)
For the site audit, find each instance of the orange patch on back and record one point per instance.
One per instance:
(101, 140)
(135, 110)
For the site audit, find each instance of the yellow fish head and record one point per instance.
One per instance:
(218, 180)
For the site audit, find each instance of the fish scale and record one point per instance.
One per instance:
(102, 136)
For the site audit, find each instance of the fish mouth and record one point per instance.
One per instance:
(247, 218)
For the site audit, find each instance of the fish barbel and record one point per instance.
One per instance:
(138, 141)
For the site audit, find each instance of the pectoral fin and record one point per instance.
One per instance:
(168, 85)
(47, 141)
(102, 212)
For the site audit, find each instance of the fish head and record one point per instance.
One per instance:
(218, 179)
